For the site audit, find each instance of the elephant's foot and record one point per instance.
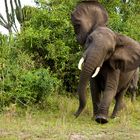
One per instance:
(113, 116)
(117, 109)
(101, 119)
(133, 98)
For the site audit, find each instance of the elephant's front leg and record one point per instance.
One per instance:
(95, 94)
(108, 95)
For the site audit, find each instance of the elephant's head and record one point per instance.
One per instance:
(87, 16)
(105, 45)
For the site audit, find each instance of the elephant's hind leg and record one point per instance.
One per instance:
(119, 105)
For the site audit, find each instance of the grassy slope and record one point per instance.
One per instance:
(61, 125)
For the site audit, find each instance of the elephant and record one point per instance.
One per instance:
(133, 87)
(109, 61)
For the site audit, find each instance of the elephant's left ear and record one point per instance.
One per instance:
(127, 54)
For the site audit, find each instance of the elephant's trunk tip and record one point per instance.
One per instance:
(78, 112)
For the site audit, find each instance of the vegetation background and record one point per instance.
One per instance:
(39, 75)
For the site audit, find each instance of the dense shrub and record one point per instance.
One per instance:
(20, 82)
(124, 17)
(48, 36)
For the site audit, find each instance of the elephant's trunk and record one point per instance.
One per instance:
(93, 59)
(80, 67)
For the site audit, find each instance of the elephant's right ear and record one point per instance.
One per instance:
(127, 54)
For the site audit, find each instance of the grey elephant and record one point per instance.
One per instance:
(109, 61)
(133, 87)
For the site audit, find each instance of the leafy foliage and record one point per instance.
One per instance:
(124, 17)
(49, 36)
(20, 82)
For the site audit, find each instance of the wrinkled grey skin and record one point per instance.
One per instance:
(111, 51)
(133, 87)
(101, 47)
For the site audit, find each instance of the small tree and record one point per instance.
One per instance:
(11, 14)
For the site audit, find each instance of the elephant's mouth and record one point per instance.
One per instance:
(80, 65)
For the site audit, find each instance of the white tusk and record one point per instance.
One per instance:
(96, 72)
(80, 63)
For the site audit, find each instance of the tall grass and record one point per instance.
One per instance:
(60, 124)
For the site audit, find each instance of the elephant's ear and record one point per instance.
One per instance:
(127, 54)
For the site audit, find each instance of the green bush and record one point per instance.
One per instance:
(49, 38)
(20, 82)
(126, 20)
(37, 85)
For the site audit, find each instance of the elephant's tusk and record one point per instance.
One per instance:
(96, 72)
(80, 63)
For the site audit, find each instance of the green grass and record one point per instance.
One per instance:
(33, 124)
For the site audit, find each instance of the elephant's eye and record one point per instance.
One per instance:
(110, 51)
(89, 40)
